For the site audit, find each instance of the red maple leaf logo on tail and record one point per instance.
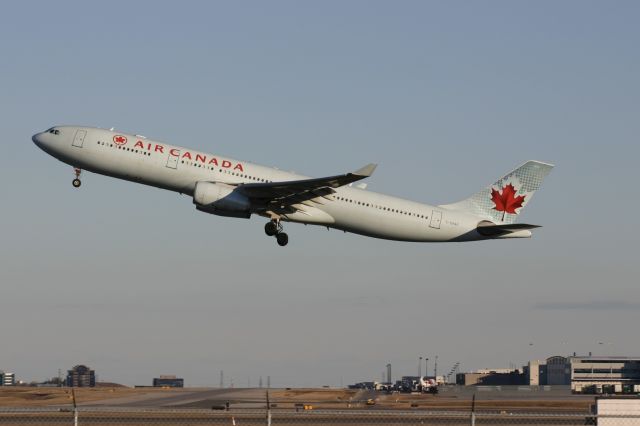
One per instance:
(507, 202)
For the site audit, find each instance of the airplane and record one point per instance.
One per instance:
(227, 187)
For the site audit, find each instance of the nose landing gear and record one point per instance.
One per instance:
(274, 228)
(77, 182)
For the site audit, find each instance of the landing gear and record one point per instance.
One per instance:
(274, 228)
(283, 239)
(76, 182)
(271, 228)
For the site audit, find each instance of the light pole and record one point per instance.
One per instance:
(389, 373)
(426, 366)
(435, 370)
(420, 367)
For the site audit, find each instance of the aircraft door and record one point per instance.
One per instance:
(172, 160)
(436, 219)
(78, 140)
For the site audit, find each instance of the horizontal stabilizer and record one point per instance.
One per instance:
(490, 229)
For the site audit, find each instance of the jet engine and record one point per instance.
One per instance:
(221, 200)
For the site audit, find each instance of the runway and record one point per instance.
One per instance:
(190, 398)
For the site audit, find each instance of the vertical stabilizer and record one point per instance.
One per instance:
(505, 199)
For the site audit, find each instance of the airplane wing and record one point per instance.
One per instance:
(280, 195)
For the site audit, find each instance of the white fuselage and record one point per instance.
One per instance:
(178, 169)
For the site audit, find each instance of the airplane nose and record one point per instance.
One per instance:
(40, 140)
(36, 138)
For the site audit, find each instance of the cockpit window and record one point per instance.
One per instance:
(53, 131)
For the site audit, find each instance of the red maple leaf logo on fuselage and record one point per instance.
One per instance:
(507, 202)
(119, 140)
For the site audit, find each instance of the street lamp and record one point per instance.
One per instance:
(426, 366)
(435, 370)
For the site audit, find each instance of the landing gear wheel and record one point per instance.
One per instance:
(271, 228)
(282, 239)
(76, 182)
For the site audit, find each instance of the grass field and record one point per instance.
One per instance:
(18, 396)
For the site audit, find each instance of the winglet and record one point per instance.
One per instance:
(366, 171)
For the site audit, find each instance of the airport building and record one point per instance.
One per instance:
(7, 379)
(493, 377)
(584, 374)
(168, 381)
(591, 374)
(535, 373)
(81, 376)
(558, 371)
(604, 374)
(555, 370)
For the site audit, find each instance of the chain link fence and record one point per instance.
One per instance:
(186, 417)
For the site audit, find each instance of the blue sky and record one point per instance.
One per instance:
(445, 96)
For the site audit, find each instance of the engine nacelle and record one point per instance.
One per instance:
(221, 200)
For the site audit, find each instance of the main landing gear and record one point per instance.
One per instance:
(274, 228)
(77, 182)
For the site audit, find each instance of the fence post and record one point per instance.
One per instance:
(473, 410)
(268, 410)
(75, 407)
